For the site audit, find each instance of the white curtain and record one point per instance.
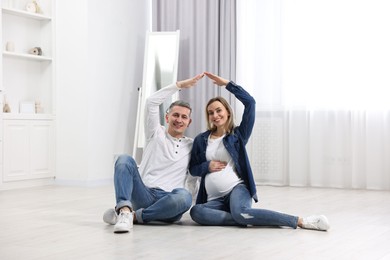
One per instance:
(320, 73)
(207, 43)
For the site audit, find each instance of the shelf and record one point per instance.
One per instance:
(19, 116)
(27, 138)
(26, 14)
(26, 56)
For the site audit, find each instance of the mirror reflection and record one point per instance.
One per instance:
(160, 70)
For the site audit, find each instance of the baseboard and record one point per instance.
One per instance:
(84, 183)
(11, 185)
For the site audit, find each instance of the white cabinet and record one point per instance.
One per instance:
(28, 149)
(27, 80)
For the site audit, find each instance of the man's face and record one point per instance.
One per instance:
(178, 119)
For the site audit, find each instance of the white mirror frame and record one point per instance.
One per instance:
(160, 69)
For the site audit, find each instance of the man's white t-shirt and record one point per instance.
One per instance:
(165, 159)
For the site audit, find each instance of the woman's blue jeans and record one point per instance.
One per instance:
(235, 209)
(150, 204)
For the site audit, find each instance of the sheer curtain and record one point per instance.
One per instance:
(207, 43)
(320, 72)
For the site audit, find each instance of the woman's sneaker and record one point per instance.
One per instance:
(124, 222)
(316, 222)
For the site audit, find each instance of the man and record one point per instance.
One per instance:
(155, 191)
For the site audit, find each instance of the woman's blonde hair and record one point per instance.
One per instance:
(229, 126)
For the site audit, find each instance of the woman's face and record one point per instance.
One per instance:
(218, 114)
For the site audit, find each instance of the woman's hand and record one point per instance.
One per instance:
(216, 79)
(187, 83)
(216, 166)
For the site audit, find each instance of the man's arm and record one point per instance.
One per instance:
(153, 102)
(152, 108)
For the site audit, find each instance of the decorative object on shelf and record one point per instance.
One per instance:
(36, 51)
(27, 107)
(38, 107)
(10, 46)
(6, 107)
(33, 7)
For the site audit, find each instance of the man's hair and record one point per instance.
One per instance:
(179, 103)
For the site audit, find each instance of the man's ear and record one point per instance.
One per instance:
(166, 118)
(189, 122)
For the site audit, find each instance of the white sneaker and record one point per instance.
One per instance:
(110, 217)
(316, 222)
(124, 222)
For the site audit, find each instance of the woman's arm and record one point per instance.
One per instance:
(248, 118)
(198, 164)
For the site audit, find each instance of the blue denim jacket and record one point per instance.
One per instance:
(234, 142)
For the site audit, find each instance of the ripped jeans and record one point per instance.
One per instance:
(235, 209)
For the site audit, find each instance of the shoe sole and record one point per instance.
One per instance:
(121, 231)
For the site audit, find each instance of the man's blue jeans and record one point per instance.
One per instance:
(235, 209)
(150, 204)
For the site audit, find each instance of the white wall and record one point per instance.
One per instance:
(100, 48)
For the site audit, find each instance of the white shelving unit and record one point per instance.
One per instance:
(28, 137)
(23, 13)
(25, 56)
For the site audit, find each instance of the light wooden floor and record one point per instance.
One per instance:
(57, 222)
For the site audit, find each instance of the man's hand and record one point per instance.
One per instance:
(189, 82)
(216, 79)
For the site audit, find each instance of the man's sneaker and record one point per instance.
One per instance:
(124, 222)
(316, 222)
(110, 217)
